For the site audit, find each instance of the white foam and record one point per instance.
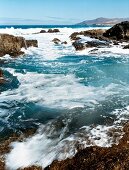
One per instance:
(41, 150)
(56, 91)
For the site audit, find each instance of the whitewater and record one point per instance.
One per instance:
(74, 99)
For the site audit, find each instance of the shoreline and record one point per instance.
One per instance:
(94, 156)
(112, 158)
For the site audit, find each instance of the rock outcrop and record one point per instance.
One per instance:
(31, 43)
(98, 158)
(89, 44)
(53, 30)
(126, 47)
(42, 31)
(119, 31)
(95, 33)
(2, 80)
(12, 45)
(79, 46)
(56, 41)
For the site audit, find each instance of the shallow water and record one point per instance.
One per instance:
(72, 98)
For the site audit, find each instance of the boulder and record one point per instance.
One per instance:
(53, 30)
(65, 42)
(56, 41)
(42, 31)
(126, 47)
(79, 46)
(12, 45)
(119, 31)
(32, 43)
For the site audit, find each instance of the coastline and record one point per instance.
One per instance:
(93, 156)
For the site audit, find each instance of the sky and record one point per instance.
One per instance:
(60, 11)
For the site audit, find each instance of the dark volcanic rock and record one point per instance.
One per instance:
(56, 41)
(53, 30)
(12, 45)
(32, 43)
(90, 44)
(65, 42)
(79, 46)
(119, 31)
(42, 31)
(2, 80)
(126, 47)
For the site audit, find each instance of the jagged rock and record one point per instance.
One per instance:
(98, 158)
(90, 44)
(2, 80)
(126, 47)
(119, 31)
(74, 35)
(65, 42)
(42, 31)
(32, 43)
(12, 45)
(95, 33)
(53, 30)
(79, 46)
(56, 41)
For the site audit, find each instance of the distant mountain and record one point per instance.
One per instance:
(103, 21)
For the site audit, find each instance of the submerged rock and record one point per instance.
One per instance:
(12, 45)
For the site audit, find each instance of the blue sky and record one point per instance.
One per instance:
(61, 11)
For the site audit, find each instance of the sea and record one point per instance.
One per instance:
(75, 99)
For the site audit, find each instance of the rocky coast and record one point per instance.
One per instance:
(95, 157)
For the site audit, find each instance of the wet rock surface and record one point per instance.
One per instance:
(79, 46)
(89, 44)
(91, 158)
(126, 47)
(117, 34)
(112, 158)
(2, 80)
(12, 45)
(53, 30)
(57, 41)
(119, 31)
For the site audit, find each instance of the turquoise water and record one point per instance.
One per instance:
(109, 76)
